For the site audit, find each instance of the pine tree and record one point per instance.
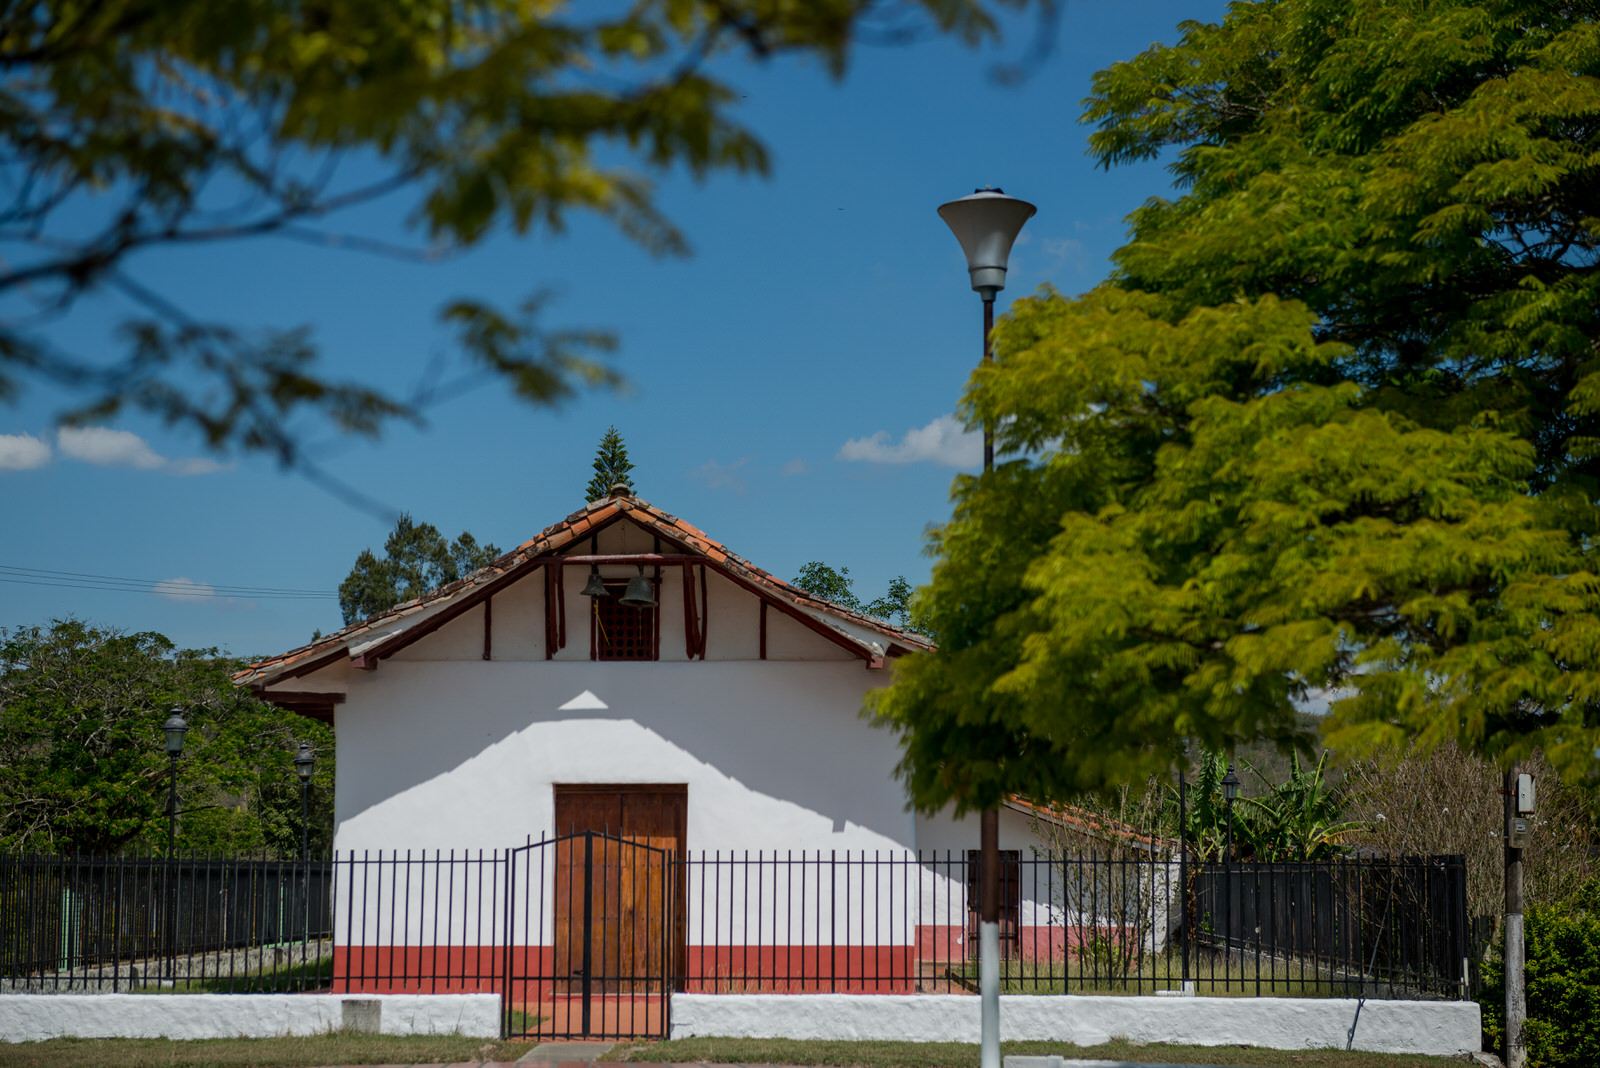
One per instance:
(611, 466)
(417, 559)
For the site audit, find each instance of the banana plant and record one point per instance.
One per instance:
(1300, 818)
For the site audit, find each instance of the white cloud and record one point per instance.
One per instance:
(197, 465)
(722, 476)
(183, 589)
(22, 452)
(796, 466)
(108, 448)
(943, 441)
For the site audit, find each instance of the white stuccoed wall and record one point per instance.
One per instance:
(1442, 1028)
(464, 754)
(35, 1017)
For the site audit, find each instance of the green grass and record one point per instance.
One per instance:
(307, 1052)
(960, 1055)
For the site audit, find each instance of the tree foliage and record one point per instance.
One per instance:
(611, 466)
(1562, 983)
(83, 763)
(1331, 422)
(416, 559)
(836, 585)
(133, 125)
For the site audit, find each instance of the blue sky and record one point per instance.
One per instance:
(823, 306)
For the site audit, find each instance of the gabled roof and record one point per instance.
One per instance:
(368, 641)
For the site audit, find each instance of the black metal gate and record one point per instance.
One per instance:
(591, 939)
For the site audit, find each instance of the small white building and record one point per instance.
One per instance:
(724, 723)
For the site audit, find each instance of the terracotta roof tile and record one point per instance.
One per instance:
(1089, 822)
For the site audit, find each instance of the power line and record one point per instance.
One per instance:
(77, 580)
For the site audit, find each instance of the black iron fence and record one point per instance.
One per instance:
(589, 934)
(191, 923)
(1390, 926)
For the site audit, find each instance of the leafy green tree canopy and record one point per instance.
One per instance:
(611, 466)
(1331, 423)
(416, 559)
(83, 761)
(836, 585)
(131, 125)
(831, 584)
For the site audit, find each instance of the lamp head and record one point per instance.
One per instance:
(1230, 783)
(304, 762)
(987, 224)
(175, 727)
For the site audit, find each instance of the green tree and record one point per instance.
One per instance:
(611, 466)
(416, 559)
(131, 125)
(83, 763)
(836, 585)
(830, 584)
(1331, 423)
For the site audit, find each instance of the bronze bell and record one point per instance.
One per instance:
(596, 586)
(639, 593)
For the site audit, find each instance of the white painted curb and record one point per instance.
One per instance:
(1441, 1028)
(34, 1017)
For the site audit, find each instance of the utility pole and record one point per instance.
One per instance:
(1516, 835)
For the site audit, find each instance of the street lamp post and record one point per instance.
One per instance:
(1230, 790)
(175, 728)
(1183, 856)
(987, 224)
(304, 763)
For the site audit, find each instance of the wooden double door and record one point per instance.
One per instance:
(619, 894)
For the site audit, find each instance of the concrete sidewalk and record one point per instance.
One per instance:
(586, 1055)
(589, 1062)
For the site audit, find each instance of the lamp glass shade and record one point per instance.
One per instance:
(1230, 784)
(596, 586)
(987, 224)
(639, 593)
(304, 761)
(175, 727)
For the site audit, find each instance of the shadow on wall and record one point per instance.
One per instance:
(464, 753)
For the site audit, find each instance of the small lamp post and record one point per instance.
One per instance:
(175, 728)
(1183, 854)
(1230, 790)
(305, 763)
(987, 224)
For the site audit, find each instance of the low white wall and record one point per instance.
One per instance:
(1443, 1028)
(34, 1017)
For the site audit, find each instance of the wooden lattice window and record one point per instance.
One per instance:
(621, 632)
